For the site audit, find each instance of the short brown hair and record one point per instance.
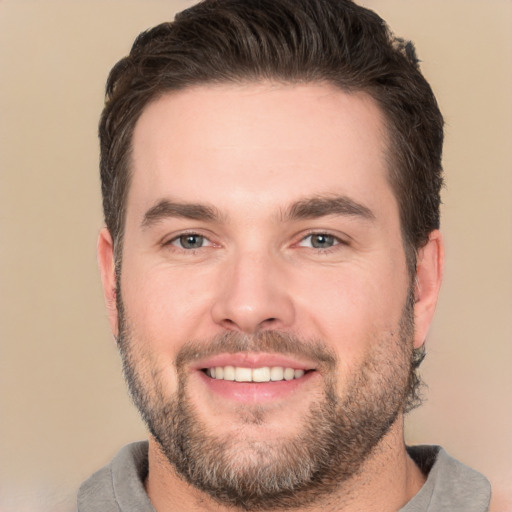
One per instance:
(296, 41)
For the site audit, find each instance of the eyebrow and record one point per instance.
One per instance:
(308, 208)
(322, 206)
(165, 208)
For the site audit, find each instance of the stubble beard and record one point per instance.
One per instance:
(337, 435)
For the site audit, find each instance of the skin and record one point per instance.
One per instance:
(250, 152)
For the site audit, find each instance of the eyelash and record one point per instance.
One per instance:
(176, 242)
(173, 242)
(337, 241)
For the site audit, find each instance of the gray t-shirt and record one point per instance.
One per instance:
(450, 486)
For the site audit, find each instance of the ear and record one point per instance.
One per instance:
(108, 276)
(429, 271)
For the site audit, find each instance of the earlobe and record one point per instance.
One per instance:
(429, 271)
(108, 276)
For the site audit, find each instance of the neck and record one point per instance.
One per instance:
(387, 480)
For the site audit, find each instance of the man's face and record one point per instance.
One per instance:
(263, 242)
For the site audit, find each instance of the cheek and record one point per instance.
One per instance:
(351, 309)
(162, 312)
(166, 307)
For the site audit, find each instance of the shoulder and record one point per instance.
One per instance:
(119, 486)
(450, 485)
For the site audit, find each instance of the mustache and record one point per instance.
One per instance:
(272, 341)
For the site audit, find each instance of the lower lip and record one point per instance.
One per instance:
(255, 391)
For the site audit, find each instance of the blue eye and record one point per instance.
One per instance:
(319, 241)
(190, 241)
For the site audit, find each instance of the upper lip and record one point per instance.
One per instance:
(252, 360)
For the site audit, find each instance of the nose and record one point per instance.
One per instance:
(252, 295)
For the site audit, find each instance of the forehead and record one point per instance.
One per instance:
(264, 142)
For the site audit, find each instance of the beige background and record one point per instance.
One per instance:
(64, 410)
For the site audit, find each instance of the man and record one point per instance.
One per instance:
(271, 263)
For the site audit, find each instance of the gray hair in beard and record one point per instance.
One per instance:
(334, 440)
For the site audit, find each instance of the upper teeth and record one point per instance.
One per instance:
(263, 374)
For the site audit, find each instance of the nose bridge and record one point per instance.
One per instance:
(251, 294)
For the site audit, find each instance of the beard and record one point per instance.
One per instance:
(338, 433)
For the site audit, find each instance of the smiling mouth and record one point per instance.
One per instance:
(262, 374)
